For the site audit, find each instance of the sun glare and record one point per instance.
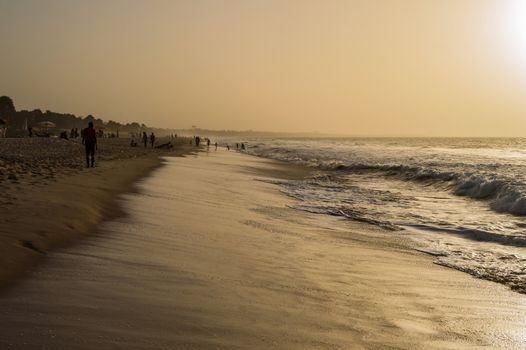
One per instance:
(516, 27)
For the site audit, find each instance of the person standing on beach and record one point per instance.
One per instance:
(89, 140)
(152, 139)
(145, 139)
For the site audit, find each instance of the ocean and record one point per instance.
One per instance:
(462, 200)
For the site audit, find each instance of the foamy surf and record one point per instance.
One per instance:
(464, 199)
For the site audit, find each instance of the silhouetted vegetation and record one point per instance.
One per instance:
(17, 122)
(7, 108)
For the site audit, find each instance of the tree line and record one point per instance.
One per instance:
(17, 122)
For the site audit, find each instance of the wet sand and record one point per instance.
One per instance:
(208, 257)
(48, 197)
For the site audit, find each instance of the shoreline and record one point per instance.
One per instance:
(481, 269)
(38, 218)
(213, 256)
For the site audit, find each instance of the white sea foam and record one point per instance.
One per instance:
(462, 198)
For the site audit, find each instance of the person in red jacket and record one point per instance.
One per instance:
(89, 140)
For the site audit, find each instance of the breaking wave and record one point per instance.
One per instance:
(462, 201)
(503, 195)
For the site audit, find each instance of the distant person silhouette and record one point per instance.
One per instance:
(228, 147)
(237, 145)
(216, 145)
(145, 139)
(197, 141)
(207, 142)
(89, 140)
(152, 139)
(243, 146)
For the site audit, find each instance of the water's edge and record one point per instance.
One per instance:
(67, 210)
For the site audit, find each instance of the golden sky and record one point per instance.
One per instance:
(371, 67)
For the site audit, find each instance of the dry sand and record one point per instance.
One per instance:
(48, 198)
(36, 160)
(211, 258)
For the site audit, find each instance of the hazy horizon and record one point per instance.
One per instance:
(365, 68)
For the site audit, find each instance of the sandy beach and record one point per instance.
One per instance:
(210, 256)
(263, 175)
(49, 198)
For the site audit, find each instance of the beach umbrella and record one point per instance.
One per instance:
(46, 125)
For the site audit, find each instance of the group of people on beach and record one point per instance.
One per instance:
(238, 146)
(197, 141)
(74, 133)
(89, 140)
(145, 139)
